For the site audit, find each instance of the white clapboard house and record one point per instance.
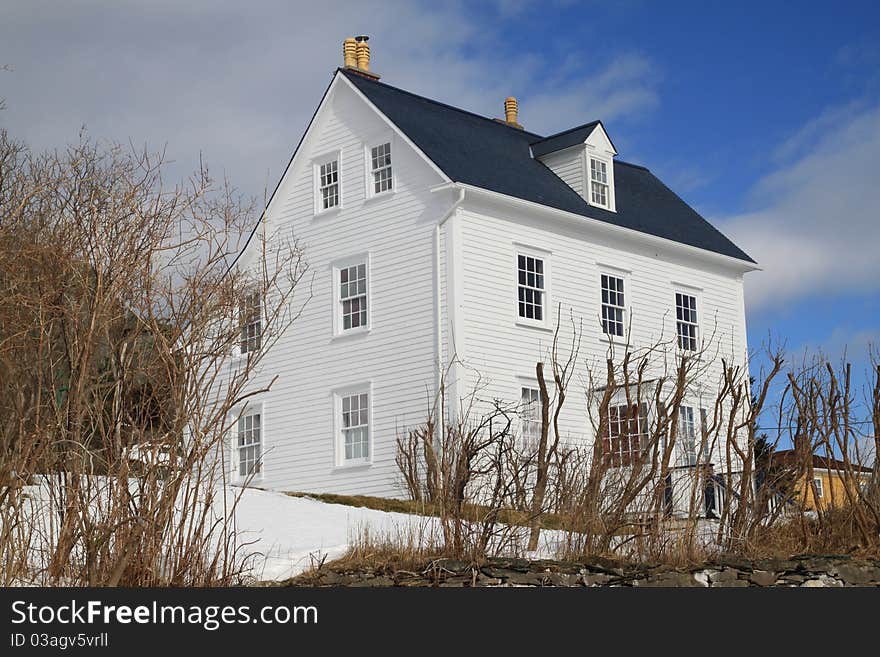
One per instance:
(432, 231)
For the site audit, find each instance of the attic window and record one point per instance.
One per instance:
(599, 182)
(380, 161)
(250, 323)
(329, 184)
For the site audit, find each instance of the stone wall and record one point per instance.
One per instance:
(804, 571)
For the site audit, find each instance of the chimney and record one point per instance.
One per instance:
(363, 52)
(511, 110)
(356, 56)
(349, 52)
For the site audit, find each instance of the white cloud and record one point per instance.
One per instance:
(817, 223)
(845, 343)
(239, 81)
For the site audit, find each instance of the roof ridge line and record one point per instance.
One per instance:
(565, 132)
(498, 122)
(634, 166)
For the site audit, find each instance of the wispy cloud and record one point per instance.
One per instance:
(238, 82)
(816, 223)
(627, 86)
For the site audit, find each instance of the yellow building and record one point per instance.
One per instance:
(825, 484)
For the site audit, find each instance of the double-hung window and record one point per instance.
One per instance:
(352, 296)
(687, 431)
(250, 323)
(626, 434)
(380, 168)
(686, 325)
(249, 444)
(817, 481)
(531, 290)
(612, 305)
(530, 418)
(328, 185)
(599, 182)
(355, 427)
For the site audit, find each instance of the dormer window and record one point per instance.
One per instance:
(599, 182)
(583, 158)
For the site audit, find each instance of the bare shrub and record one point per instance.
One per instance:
(673, 463)
(118, 318)
(463, 465)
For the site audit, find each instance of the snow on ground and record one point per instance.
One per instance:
(290, 534)
(278, 535)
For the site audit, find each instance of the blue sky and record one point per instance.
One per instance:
(765, 116)
(741, 101)
(734, 86)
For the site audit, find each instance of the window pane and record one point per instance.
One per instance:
(355, 426)
(530, 286)
(353, 296)
(612, 305)
(686, 321)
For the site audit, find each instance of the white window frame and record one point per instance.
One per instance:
(820, 490)
(644, 431)
(242, 324)
(718, 493)
(387, 138)
(689, 438)
(697, 297)
(237, 415)
(625, 277)
(529, 443)
(336, 269)
(609, 181)
(522, 250)
(317, 163)
(339, 394)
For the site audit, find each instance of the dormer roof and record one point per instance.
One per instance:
(567, 138)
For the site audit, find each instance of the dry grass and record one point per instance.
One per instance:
(473, 512)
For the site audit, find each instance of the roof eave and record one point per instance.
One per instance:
(739, 264)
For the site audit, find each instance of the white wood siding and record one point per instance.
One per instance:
(397, 357)
(569, 165)
(504, 352)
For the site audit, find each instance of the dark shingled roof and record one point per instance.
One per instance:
(565, 139)
(790, 458)
(489, 154)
